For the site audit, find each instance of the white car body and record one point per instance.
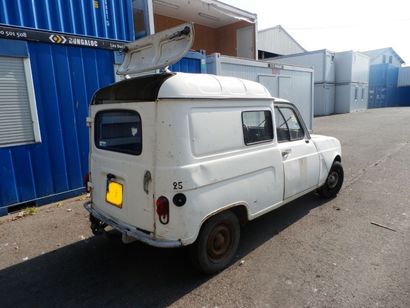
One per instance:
(193, 144)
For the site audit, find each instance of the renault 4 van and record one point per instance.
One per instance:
(185, 159)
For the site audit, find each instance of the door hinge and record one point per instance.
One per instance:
(88, 121)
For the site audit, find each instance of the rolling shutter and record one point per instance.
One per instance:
(16, 121)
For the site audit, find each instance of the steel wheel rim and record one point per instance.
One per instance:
(332, 179)
(219, 242)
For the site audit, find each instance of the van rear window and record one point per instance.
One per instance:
(118, 131)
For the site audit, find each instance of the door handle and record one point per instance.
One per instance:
(147, 179)
(110, 176)
(285, 153)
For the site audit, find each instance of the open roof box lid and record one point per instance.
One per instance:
(158, 50)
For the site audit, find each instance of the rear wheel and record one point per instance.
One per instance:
(333, 182)
(216, 244)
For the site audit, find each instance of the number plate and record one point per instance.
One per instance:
(114, 194)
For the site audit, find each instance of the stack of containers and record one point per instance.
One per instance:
(403, 86)
(352, 81)
(383, 85)
(322, 62)
(286, 81)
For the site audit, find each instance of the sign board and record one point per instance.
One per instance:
(26, 34)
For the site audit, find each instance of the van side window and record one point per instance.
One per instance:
(118, 131)
(257, 126)
(288, 127)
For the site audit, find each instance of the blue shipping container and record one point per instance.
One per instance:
(404, 96)
(65, 79)
(383, 86)
(383, 96)
(383, 75)
(111, 19)
(193, 62)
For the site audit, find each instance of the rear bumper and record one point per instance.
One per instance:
(129, 230)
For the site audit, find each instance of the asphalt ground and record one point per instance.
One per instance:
(309, 253)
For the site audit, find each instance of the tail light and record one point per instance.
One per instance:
(163, 209)
(86, 182)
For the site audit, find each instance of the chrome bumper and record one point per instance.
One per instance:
(130, 230)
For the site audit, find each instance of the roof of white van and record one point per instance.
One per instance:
(184, 85)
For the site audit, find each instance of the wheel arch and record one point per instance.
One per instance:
(338, 158)
(239, 209)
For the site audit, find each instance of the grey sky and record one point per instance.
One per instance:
(338, 25)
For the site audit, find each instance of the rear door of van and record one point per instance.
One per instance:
(121, 161)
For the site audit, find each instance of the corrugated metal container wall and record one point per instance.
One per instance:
(322, 61)
(404, 96)
(404, 77)
(383, 85)
(59, 162)
(351, 66)
(65, 79)
(292, 83)
(383, 96)
(192, 62)
(383, 75)
(100, 18)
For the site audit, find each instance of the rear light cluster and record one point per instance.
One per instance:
(162, 206)
(163, 209)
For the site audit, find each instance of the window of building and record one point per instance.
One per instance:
(118, 131)
(363, 93)
(390, 59)
(18, 111)
(288, 127)
(384, 58)
(257, 126)
(356, 93)
(141, 14)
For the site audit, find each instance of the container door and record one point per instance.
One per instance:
(121, 161)
(285, 87)
(245, 42)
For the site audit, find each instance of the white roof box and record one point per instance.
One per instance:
(158, 50)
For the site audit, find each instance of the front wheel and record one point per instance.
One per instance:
(216, 244)
(333, 182)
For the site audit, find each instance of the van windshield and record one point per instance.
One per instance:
(118, 131)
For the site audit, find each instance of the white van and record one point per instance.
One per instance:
(184, 159)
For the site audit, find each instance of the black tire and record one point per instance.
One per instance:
(333, 182)
(216, 244)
